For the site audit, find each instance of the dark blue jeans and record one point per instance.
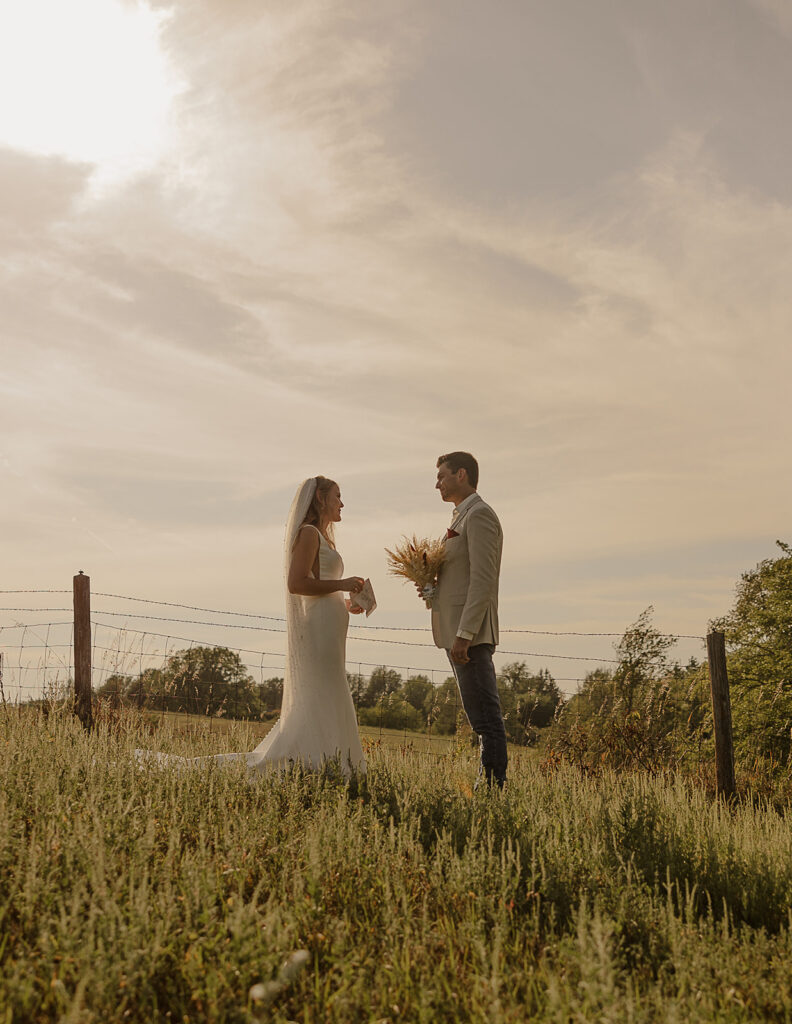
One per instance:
(479, 692)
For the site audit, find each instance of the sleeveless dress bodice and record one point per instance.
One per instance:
(331, 564)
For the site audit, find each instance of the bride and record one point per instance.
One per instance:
(317, 722)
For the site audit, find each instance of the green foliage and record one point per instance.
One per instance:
(645, 714)
(357, 687)
(214, 681)
(270, 693)
(204, 680)
(444, 708)
(417, 690)
(146, 894)
(642, 659)
(758, 633)
(653, 715)
(116, 687)
(529, 701)
(382, 682)
(392, 712)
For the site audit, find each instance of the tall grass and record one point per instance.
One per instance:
(143, 893)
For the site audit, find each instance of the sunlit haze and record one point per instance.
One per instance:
(86, 80)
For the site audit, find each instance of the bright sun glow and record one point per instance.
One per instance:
(85, 79)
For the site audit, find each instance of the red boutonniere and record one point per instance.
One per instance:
(451, 533)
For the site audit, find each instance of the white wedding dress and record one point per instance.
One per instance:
(317, 723)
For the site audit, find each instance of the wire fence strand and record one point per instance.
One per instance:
(130, 658)
(275, 618)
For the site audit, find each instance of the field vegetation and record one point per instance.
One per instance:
(607, 883)
(146, 894)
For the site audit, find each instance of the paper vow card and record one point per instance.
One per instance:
(365, 599)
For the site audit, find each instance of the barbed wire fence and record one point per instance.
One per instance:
(130, 647)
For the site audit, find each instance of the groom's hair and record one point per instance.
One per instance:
(461, 460)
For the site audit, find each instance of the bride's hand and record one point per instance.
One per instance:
(353, 609)
(353, 585)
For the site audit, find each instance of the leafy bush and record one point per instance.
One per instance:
(392, 712)
(645, 715)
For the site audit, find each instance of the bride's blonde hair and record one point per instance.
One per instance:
(313, 517)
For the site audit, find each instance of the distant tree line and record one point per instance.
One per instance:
(199, 680)
(214, 681)
(529, 701)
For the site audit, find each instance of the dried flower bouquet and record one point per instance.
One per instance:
(418, 560)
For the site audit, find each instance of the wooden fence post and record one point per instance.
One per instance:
(721, 713)
(82, 649)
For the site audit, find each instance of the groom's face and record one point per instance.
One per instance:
(448, 483)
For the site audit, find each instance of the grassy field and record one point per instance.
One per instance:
(145, 894)
(249, 733)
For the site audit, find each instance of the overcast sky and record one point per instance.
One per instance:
(245, 243)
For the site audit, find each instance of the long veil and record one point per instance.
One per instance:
(295, 605)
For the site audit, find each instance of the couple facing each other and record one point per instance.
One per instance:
(317, 722)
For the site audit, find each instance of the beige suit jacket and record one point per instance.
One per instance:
(466, 601)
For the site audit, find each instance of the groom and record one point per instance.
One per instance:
(465, 606)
